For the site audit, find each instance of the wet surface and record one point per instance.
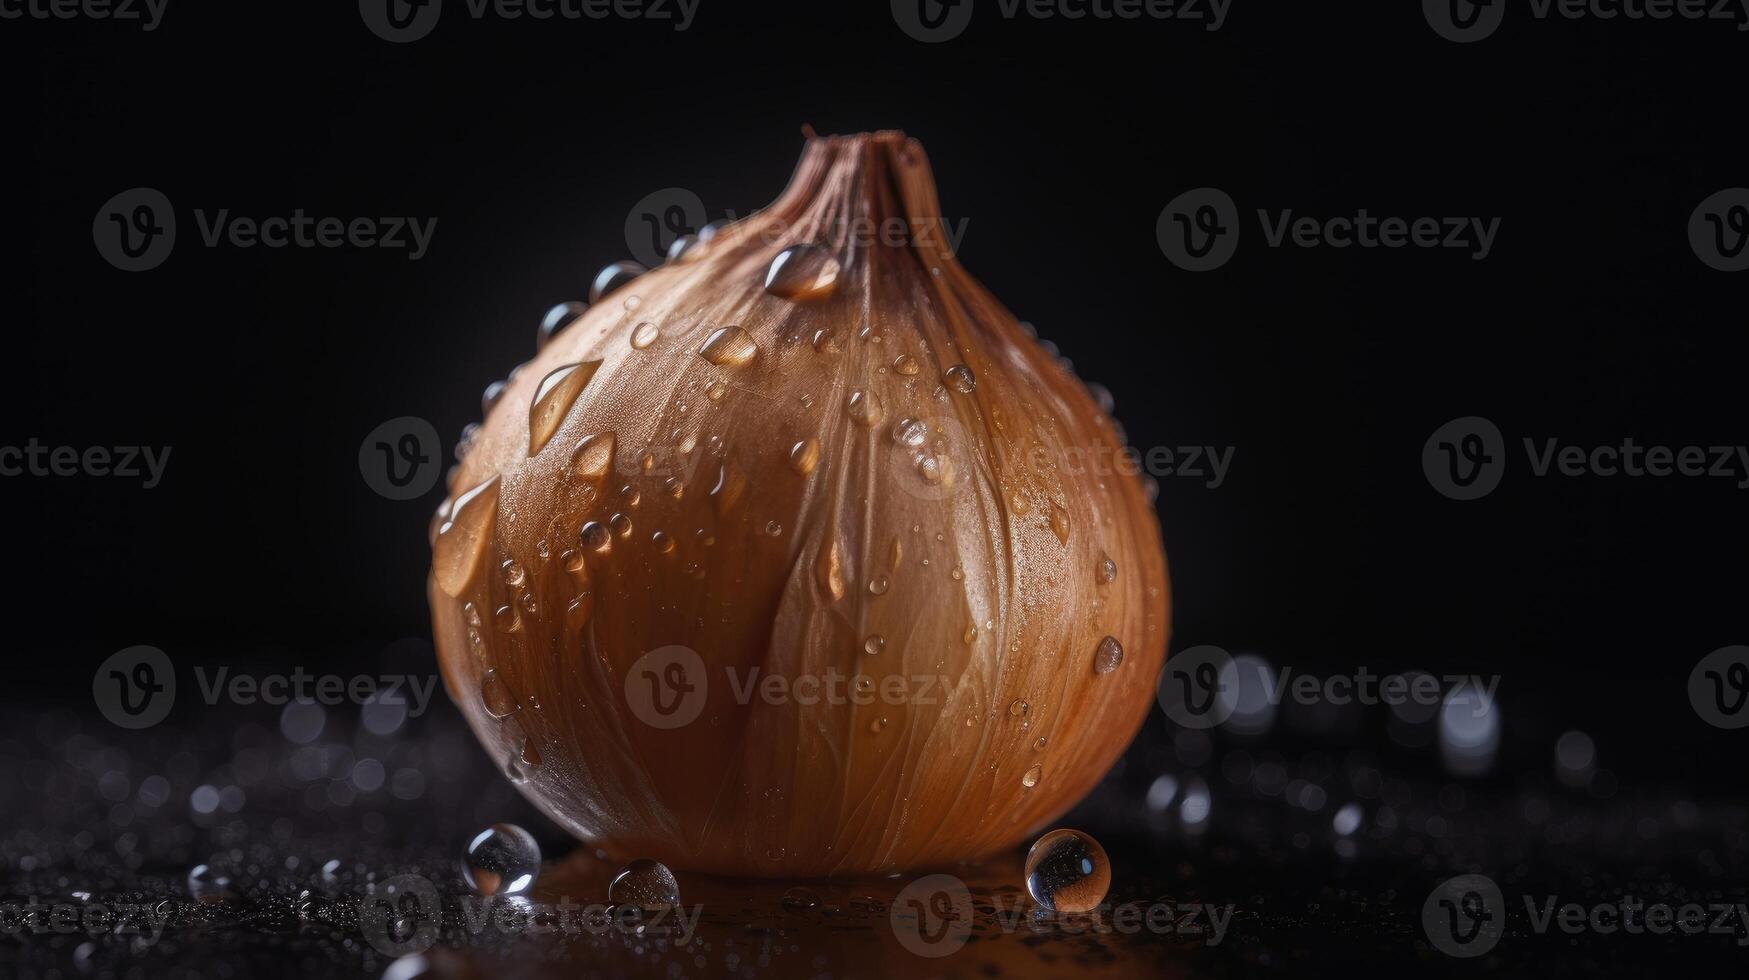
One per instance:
(333, 843)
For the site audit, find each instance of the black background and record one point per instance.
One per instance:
(1059, 142)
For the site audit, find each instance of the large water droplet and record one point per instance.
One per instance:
(804, 456)
(645, 884)
(1030, 778)
(831, 568)
(208, 884)
(1106, 571)
(961, 379)
(593, 457)
(910, 432)
(490, 397)
(1107, 656)
(730, 346)
(557, 319)
(595, 537)
(497, 696)
(864, 407)
(552, 402)
(1067, 871)
(874, 644)
(645, 334)
(461, 541)
(613, 277)
(802, 272)
(503, 859)
(906, 364)
(726, 492)
(1060, 522)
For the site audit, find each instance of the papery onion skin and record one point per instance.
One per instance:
(777, 513)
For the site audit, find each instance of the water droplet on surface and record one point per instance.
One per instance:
(910, 432)
(716, 391)
(830, 568)
(804, 456)
(593, 457)
(1106, 572)
(552, 402)
(621, 524)
(773, 528)
(645, 884)
(662, 542)
(1060, 522)
(514, 575)
(879, 585)
(1107, 656)
(730, 346)
(503, 859)
(802, 272)
(207, 884)
(507, 619)
(497, 695)
(596, 537)
(874, 644)
(906, 365)
(800, 899)
(491, 396)
(1030, 778)
(681, 246)
(864, 407)
(645, 334)
(970, 634)
(1039, 745)
(826, 341)
(461, 541)
(961, 379)
(613, 277)
(557, 319)
(1067, 871)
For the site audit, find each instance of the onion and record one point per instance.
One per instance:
(797, 555)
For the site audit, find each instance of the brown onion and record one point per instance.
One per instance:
(810, 446)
